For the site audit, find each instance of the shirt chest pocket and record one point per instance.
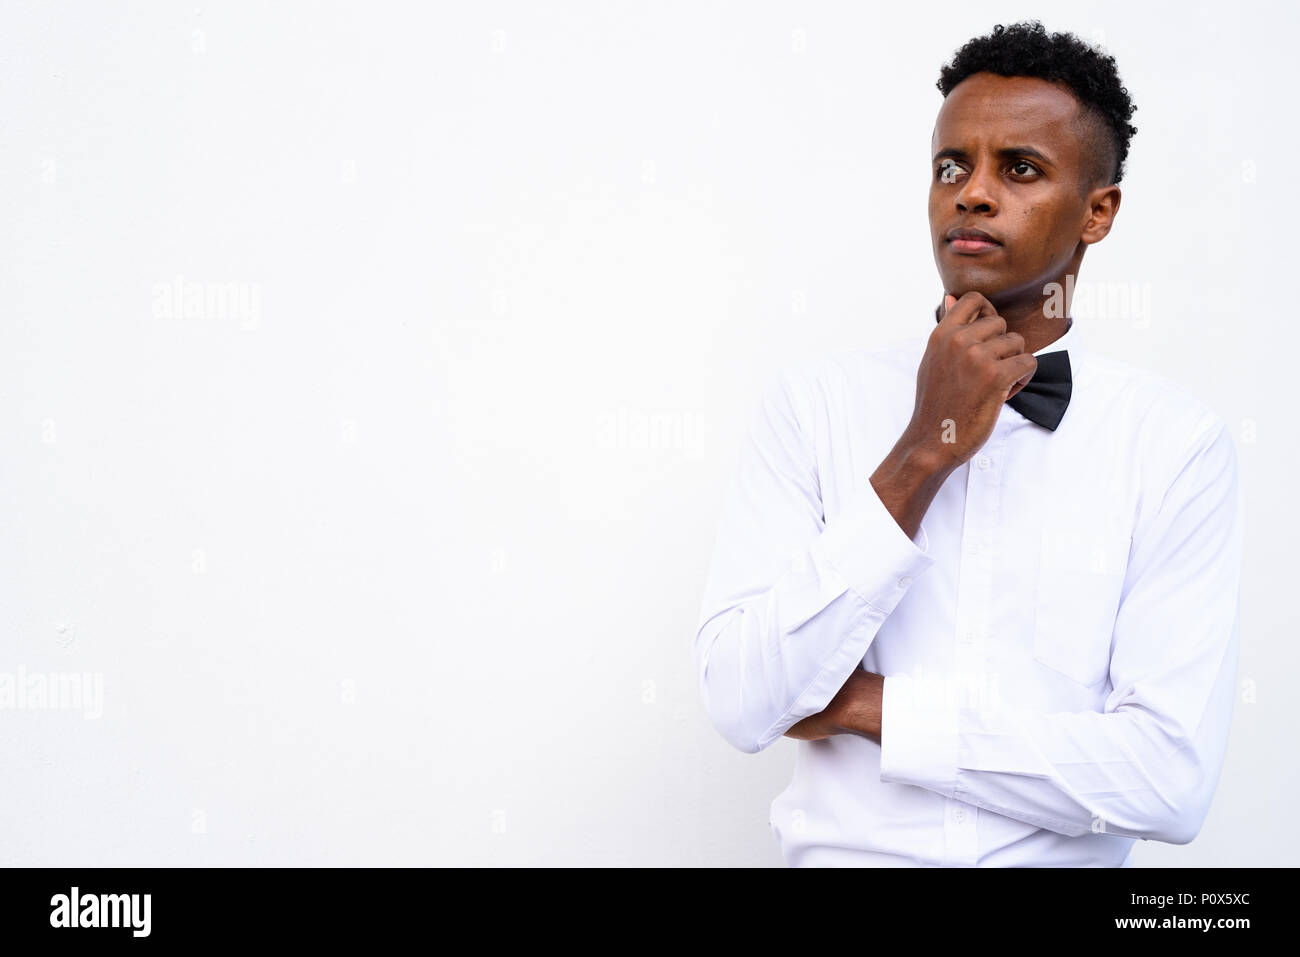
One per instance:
(1079, 582)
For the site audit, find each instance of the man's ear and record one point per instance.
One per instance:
(1103, 205)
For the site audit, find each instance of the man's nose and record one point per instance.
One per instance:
(977, 193)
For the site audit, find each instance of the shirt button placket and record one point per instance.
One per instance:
(974, 597)
(960, 834)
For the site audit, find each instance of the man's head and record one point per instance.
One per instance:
(1028, 148)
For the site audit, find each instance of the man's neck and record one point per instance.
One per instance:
(1037, 329)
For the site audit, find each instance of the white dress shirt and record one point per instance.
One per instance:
(1059, 640)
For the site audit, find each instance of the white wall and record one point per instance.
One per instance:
(378, 565)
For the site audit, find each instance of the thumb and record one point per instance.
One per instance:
(949, 300)
(1018, 385)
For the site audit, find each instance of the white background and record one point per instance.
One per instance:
(401, 564)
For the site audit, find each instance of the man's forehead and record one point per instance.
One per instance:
(1013, 107)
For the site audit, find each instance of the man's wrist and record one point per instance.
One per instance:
(908, 480)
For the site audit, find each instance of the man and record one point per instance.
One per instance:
(987, 577)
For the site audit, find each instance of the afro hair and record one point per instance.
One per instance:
(1027, 49)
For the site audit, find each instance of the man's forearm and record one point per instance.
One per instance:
(855, 709)
(862, 711)
(908, 480)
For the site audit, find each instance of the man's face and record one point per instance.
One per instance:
(1018, 145)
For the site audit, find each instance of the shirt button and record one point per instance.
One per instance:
(983, 462)
(959, 814)
(966, 635)
(905, 581)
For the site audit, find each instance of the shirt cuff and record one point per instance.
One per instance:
(866, 545)
(918, 732)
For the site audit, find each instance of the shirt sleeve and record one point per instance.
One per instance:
(791, 604)
(1148, 765)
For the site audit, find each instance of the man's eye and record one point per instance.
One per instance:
(949, 171)
(1029, 168)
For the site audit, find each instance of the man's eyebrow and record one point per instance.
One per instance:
(1006, 153)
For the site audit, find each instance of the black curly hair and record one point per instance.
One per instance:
(1027, 49)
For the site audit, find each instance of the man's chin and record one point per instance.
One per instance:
(969, 275)
(958, 286)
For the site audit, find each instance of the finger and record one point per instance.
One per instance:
(1017, 371)
(1004, 344)
(981, 329)
(968, 308)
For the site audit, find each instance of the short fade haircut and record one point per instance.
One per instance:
(1027, 49)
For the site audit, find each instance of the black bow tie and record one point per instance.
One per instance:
(1044, 399)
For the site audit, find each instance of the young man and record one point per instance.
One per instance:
(987, 577)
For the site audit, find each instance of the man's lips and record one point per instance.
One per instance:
(968, 240)
(971, 245)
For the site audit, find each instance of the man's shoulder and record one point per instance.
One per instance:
(859, 365)
(1151, 399)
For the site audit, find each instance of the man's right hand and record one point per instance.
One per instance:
(971, 366)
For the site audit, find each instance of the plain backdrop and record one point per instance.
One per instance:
(371, 374)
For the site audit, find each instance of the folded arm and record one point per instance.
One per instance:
(1147, 765)
(792, 604)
